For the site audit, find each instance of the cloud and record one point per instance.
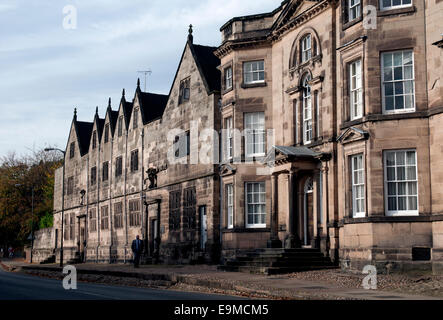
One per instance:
(50, 70)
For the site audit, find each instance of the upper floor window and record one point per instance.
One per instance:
(182, 145)
(356, 91)
(135, 119)
(354, 9)
(105, 171)
(185, 90)
(70, 188)
(307, 111)
(72, 150)
(228, 78)
(398, 81)
(94, 139)
(394, 4)
(229, 137)
(120, 126)
(306, 51)
(118, 215)
(107, 133)
(118, 167)
(93, 176)
(255, 134)
(254, 72)
(401, 191)
(134, 161)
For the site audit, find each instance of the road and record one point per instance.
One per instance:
(16, 286)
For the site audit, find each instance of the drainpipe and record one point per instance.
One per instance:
(110, 198)
(125, 196)
(97, 177)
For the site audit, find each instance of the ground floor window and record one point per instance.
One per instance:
(230, 205)
(189, 208)
(134, 213)
(118, 215)
(104, 218)
(358, 186)
(92, 220)
(255, 205)
(174, 210)
(401, 191)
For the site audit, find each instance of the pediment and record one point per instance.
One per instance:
(352, 134)
(294, 9)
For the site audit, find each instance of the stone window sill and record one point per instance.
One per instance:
(254, 85)
(391, 12)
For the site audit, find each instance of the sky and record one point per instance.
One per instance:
(47, 68)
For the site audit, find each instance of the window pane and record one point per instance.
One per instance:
(410, 156)
(402, 203)
(402, 188)
(391, 174)
(412, 203)
(412, 188)
(392, 204)
(401, 173)
(392, 189)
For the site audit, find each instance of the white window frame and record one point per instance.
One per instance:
(358, 183)
(306, 48)
(354, 4)
(253, 131)
(392, 213)
(229, 125)
(254, 69)
(259, 203)
(307, 111)
(382, 7)
(356, 90)
(230, 205)
(393, 81)
(228, 78)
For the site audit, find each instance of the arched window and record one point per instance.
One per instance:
(307, 110)
(306, 48)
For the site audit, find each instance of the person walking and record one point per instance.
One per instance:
(137, 249)
(11, 252)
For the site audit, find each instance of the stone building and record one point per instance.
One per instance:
(329, 114)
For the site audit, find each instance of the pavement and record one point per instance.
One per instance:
(208, 279)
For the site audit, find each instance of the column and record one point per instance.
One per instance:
(292, 240)
(274, 241)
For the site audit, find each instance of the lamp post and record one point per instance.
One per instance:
(63, 202)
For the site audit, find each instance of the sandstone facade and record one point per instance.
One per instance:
(332, 139)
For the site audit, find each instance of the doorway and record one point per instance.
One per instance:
(153, 236)
(203, 227)
(308, 213)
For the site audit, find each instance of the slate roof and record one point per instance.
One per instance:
(84, 132)
(152, 105)
(296, 151)
(208, 63)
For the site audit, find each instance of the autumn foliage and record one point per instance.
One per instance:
(18, 176)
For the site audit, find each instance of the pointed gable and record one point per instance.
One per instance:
(207, 63)
(84, 133)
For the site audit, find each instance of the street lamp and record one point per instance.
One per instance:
(63, 202)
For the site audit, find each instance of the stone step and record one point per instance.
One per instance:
(283, 262)
(272, 270)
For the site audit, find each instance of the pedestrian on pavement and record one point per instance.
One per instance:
(11, 252)
(137, 249)
(1, 253)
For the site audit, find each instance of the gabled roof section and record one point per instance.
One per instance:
(152, 105)
(100, 124)
(84, 132)
(207, 63)
(127, 109)
(113, 116)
